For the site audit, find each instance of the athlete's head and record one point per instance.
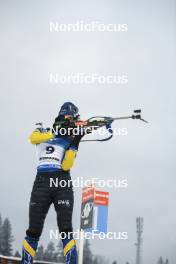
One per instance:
(68, 109)
(68, 112)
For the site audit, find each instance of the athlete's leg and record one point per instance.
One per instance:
(39, 205)
(63, 202)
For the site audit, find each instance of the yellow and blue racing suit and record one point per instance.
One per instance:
(56, 156)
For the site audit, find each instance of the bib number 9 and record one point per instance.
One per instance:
(49, 150)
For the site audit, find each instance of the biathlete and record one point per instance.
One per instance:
(56, 155)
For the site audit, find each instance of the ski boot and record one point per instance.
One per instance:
(70, 253)
(29, 250)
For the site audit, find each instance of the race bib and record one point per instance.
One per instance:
(49, 154)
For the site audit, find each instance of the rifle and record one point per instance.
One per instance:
(96, 122)
(99, 121)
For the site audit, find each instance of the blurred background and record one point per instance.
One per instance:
(145, 157)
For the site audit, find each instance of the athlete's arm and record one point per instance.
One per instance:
(69, 159)
(71, 153)
(38, 137)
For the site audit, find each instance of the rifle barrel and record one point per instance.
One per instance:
(122, 117)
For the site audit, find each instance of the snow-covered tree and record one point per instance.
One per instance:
(59, 253)
(160, 261)
(167, 261)
(7, 238)
(1, 234)
(40, 253)
(87, 253)
(49, 253)
(17, 254)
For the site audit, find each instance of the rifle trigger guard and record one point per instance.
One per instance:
(110, 130)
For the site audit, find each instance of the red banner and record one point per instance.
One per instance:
(88, 193)
(101, 198)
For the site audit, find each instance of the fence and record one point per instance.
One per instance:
(13, 260)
